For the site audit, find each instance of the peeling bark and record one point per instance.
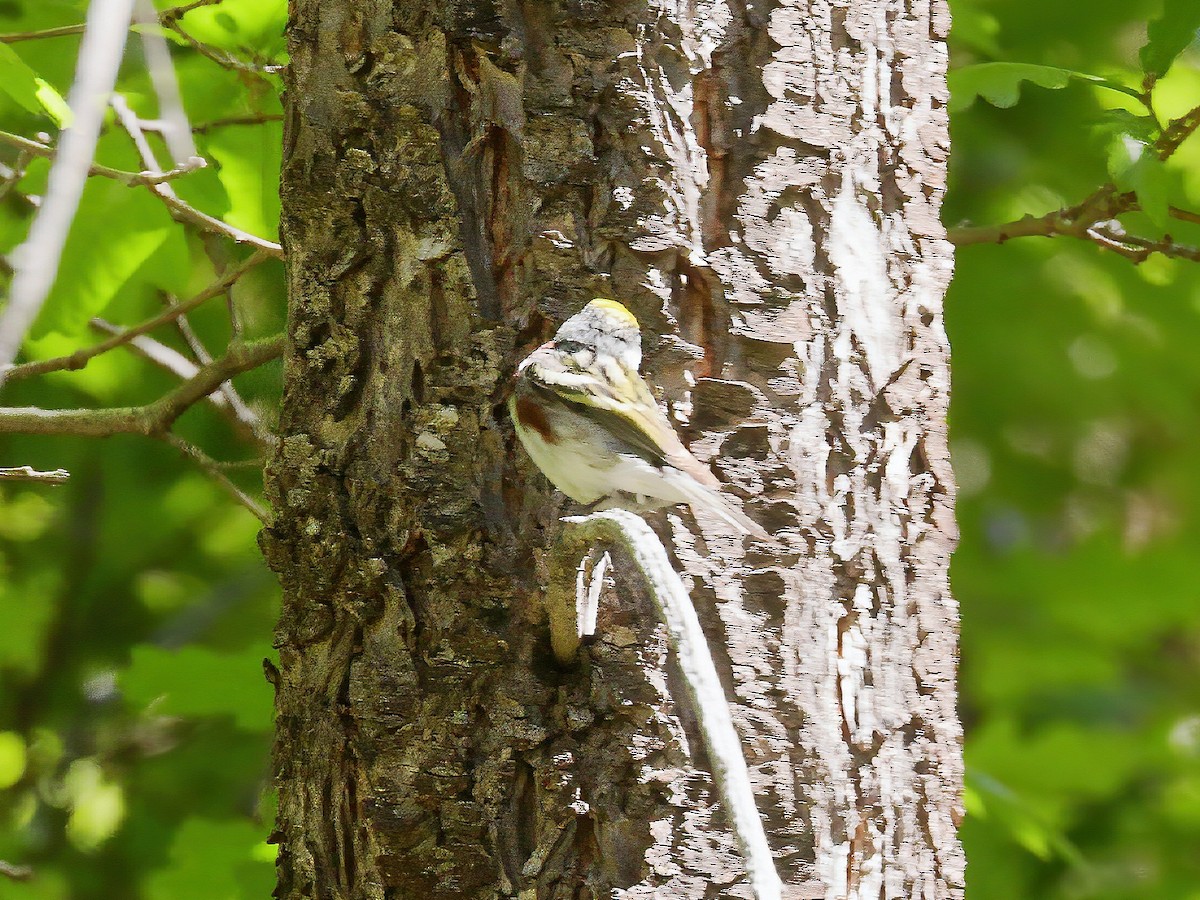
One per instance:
(760, 184)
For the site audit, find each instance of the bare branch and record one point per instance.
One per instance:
(129, 179)
(703, 684)
(1138, 249)
(246, 419)
(189, 215)
(226, 399)
(1092, 219)
(1074, 221)
(129, 121)
(174, 13)
(171, 14)
(180, 211)
(80, 358)
(15, 872)
(213, 470)
(160, 354)
(170, 19)
(1027, 226)
(36, 260)
(257, 119)
(1178, 132)
(1184, 215)
(176, 130)
(29, 473)
(14, 173)
(152, 419)
(62, 31)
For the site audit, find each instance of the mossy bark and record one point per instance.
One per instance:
(760, 184)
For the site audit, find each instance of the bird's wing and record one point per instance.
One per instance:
(619, 401)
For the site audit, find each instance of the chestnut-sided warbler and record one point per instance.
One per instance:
(590, 423)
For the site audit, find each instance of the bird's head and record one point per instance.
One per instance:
(605, 327)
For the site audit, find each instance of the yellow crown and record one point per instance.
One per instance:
(612, 307)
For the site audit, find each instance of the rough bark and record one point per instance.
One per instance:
(760, 183)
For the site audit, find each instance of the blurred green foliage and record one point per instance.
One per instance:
(134, 717)
(1075, 428)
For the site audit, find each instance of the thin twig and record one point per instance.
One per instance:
(246, 420)
(180, 211)
(36, 260)
(129, 179)
(226, 398)
(15, 173)
(189, 215)
(80, 357)
(1184, 215)
(255, 462)
(212, 469)
(1178, 132)
(1139, 248)
(1092, 219)
(258, 119)
(175, 13)
(170, 19)
(129, 122)
(62, 31)
(29, 473)
(15, 872)
(176, 130)
(160, 354)
(152, 419)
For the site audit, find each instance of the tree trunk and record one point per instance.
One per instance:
(760, 184)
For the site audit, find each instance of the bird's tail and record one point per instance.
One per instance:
(712, 501)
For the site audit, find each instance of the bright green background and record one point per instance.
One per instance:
(134, 716)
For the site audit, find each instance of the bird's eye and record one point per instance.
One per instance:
(570, 346)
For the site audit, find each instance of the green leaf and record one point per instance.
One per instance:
(1169, 35)
(977, 29)
(23, 639)
(116, 230)
(97, 805)
(1146, 175)
(195, 681)
(241, 27)
(249, 160)
(1020, 818)
(31, 91)
(214, 860)
(12, 758)
(999, 83)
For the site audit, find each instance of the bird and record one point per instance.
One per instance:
(588, 420)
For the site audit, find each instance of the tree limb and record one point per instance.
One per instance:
(180, 211)
(29, 473)
(730, 772)
(62, 31)
(82, 356)
(256, 119)
(213, 470)
(15, 872)
(152, 419)
(1093, 220)
(129, 179)
(1090, 219)
(1178, 132)
(36, 261)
